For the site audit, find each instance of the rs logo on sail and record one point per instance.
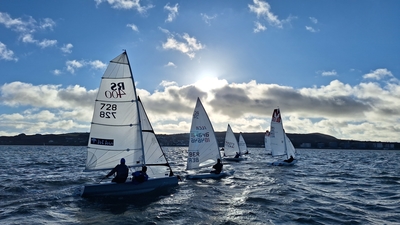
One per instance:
(117, 90)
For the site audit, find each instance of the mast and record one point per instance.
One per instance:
(137, 108)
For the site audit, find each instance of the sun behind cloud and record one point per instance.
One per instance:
(207, 83)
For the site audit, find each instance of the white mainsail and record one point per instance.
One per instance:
(116, 130)
(231, 146)
(280, 143)
(203, 147)
(242, 144)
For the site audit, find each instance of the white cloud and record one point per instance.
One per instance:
(57, 72)
(27, 27)
(170, 64)
(263, 9)
(173, 12)
(67, 48)
(311, 29)
(313, 20)
(258, 27)
(48, 96)
(208, 18)
(367, 111)
(133, 27)
(126, 4)
(47, 23)
(47, 43)
(18, 24)
(165, 83)
(165, 31)
(189, 47)
(378, 74)
(97, 64)
(72, 65)
(28, 38)
(329, 73)
(6, 54)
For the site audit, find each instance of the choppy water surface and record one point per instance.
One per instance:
(41, 185)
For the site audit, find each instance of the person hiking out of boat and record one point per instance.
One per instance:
(237, 155)
(217, 167)
(140, 176)
(289, 160)
(122, 172)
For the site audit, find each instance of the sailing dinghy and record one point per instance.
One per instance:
(242, 145)
(121, 129)
(203, 147)
(280, 143)
(232, 151)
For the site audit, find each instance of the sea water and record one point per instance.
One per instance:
(42, 184)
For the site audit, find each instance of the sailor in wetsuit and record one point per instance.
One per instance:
(140, 176)
(217, 167)
(122, 172)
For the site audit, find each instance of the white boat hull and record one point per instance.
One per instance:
(283, 163)
(128, 188)
(235, 159)
(209, 175)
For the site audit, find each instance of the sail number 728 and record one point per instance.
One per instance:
(108, 111)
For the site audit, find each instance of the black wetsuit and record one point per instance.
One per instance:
(122, 173)
(217, 168)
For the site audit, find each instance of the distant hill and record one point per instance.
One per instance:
(256, 139)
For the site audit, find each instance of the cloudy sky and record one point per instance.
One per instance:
(332, 67)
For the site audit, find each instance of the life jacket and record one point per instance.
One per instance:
(139, 176)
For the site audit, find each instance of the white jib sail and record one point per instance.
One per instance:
(277, 134)
(231, 145)
(115, 131)
(203, 147)
(154, 155)
(290, 150)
